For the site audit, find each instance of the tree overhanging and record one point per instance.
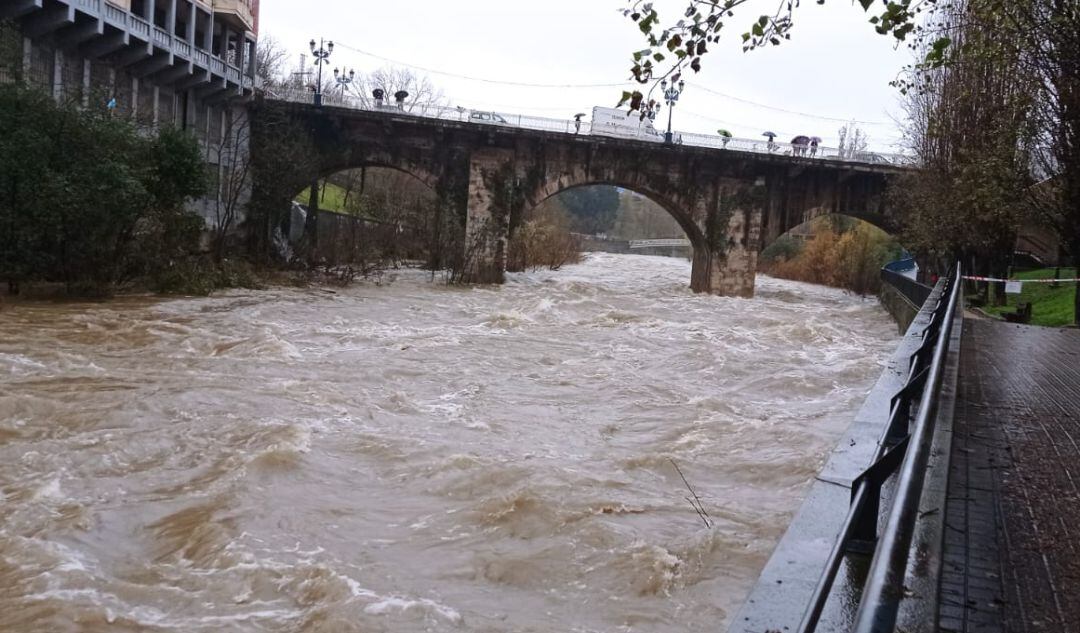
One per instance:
(674, 47)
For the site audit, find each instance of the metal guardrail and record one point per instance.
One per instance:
(915, 292)
(659, 243)
(570, 126)
(904, 448)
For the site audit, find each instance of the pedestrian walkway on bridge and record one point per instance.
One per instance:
(1012, 521)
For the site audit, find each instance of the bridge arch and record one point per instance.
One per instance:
(686, 223)
(379, 160)
(880, 222)
(378, 208)
(549, 188)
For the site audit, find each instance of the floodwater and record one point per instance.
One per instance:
(409, 457)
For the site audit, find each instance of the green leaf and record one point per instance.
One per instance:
(758, 31)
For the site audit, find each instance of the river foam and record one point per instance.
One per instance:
(416, 457)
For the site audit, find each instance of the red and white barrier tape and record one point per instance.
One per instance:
(1026, 281)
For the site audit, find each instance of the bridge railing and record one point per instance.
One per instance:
(659, 243)
(570, 126)
(904, 451)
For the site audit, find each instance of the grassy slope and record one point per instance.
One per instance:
(1051, 307)
(331, 197)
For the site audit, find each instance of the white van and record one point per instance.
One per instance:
(487, 118)
(622, 124)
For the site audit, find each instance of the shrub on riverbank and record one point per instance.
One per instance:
(89, 200)
(845, 255)
(544, 241)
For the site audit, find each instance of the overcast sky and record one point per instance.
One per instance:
(834, 68)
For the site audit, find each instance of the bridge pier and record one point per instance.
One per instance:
(487, 220)
(732, 271)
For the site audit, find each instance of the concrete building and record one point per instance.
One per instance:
(186, 63)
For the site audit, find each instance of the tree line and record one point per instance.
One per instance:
(993, 104)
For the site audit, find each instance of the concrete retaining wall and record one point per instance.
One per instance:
(899, 308)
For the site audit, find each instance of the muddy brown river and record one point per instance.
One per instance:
(409, 457)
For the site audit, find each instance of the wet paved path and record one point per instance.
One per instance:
(1012, 536)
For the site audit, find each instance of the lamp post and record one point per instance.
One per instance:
(344, 78)
(671, 97)
(322, 56)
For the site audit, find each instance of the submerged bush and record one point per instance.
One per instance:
(544, 241)
(783, 249)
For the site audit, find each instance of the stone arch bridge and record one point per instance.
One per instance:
(731, 204)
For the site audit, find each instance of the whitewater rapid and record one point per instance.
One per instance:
(409, 456)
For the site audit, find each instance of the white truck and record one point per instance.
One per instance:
(623, 124)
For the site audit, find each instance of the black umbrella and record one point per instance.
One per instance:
(771, 135)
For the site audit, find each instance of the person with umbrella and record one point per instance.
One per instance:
(799, 145)
(577, 122)
(814, 140)
(725, 136)
(771, 146)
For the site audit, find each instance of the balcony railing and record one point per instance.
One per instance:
(162, 37)
(138, 27)
(141, 28)
(115, 15)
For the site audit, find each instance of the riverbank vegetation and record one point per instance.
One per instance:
(544, 240)
(91, 202)
(833, 251)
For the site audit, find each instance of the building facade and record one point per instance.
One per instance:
(184, 63)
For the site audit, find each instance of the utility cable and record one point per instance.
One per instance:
(520, 84)
(626, 84)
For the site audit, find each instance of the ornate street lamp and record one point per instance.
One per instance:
(671, 97)
(322, 56)
(344, 78)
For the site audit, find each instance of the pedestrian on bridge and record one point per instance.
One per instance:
(799, 145)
